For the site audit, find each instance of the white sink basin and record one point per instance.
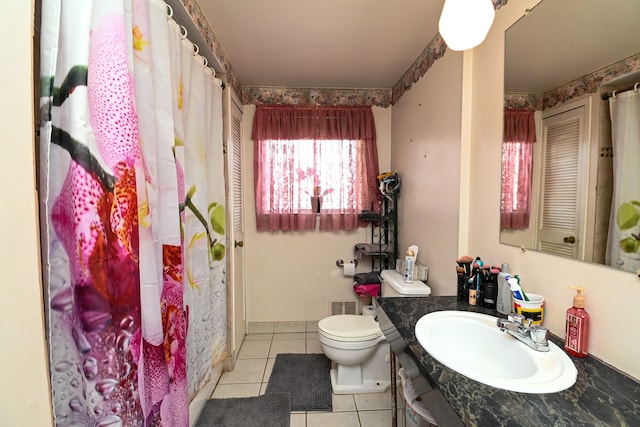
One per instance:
(472, 345)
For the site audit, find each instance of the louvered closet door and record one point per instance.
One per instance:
(236, 287)
(562, 183)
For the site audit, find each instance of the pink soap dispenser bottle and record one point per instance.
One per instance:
(577, 327)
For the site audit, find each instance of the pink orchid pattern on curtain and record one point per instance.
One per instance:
(114, 210)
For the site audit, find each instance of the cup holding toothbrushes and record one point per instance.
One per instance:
(532, 309)
(530, 306)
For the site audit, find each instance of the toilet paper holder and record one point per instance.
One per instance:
(340, 262)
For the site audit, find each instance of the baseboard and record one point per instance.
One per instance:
(282, 327)
(198, 402)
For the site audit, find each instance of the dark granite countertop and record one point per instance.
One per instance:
(601, 396)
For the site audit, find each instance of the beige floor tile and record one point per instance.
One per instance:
(268, 369)
(375, 418)
(236, 390)
(313, 346)
(373, 401)
(258, 337)
(287, 346)
(343, 403)
(260, 327)
(333, 419)
(263, 388)
(289, 336)
(252, 371)
(284, 327)
(298, 420)
(245, 371)
(254, 350)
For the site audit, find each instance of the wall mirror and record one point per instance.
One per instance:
(561, 59)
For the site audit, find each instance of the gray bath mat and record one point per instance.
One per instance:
(272, 410)
(306, 377)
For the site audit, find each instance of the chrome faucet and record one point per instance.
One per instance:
(521, 328)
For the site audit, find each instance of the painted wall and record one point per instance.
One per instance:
(610, 294)
(293, 276)
(426, 147)
(302, 294)
(24, 395)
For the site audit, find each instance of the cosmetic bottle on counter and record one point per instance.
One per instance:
(576, 339)
(409, 264)
(472, 293)
(504, 303)
(490, 289)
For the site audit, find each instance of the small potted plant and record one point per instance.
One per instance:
(317, 193)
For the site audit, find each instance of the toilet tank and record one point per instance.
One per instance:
(393, 285)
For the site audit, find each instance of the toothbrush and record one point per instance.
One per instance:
(526, 298)
(515, 288)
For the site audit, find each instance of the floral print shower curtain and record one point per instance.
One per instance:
(132, 213)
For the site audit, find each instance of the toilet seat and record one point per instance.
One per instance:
(350, 328)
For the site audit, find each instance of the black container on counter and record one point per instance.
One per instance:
(489, 294)
(463, 292)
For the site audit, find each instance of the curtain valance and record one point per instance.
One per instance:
(294, 122)
(519, 126)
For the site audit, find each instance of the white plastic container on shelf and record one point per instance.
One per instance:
(415, 413)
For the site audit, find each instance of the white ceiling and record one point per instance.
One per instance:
(322, 44)
(371, 43)
(561, 40)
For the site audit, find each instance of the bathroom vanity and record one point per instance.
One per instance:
(601, 396)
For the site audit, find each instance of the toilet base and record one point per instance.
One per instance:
(367, 386)
(373, 375)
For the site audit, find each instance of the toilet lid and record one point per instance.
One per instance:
(349, 327)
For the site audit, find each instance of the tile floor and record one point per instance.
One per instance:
(251, 374)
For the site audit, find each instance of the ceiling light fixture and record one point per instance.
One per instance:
(464, 24)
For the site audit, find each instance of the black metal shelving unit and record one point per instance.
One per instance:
(383, 245)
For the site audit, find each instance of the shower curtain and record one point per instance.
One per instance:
(132, 213)
(623, 247)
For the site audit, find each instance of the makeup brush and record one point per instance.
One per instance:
(486, 272)
(465, 261)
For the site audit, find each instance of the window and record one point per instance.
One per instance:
(314, 157)
(517, 166)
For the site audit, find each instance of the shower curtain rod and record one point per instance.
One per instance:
(606, 95)
(177, 12)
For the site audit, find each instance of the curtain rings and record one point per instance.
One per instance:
(183, 35)
(205, 61)
(613, 94)
(636, 86)
(170, 14)
(196, 49)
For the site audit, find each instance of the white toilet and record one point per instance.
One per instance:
(360, 352)
(358, 347)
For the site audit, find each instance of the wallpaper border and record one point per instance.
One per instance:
(320, 96)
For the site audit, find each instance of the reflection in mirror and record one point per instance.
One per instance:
(571, 157)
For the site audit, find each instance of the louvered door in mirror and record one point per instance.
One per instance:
(563, 192)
